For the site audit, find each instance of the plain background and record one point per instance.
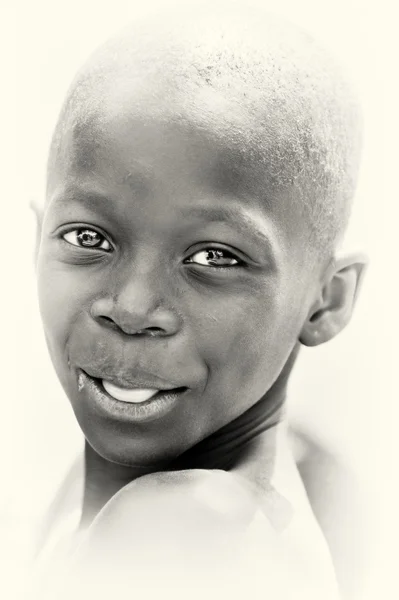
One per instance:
(343, 392)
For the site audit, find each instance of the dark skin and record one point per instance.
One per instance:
(191, 279)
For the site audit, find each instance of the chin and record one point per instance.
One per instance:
(133, 449)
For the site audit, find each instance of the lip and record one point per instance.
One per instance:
(138, 382)
(154, 408)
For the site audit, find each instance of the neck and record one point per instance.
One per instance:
(230, 447)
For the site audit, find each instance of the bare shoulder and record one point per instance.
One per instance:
(195, 527)
(193, 513)
(187, 498)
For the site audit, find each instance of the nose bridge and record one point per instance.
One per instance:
(140, 297)
(140, 291)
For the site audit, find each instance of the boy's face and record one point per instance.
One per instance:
(160, 266)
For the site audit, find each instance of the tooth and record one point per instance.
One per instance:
(134, 396)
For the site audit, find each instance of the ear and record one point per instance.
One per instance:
(332, 311)
(38, 213)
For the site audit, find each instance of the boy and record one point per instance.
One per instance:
(199, 182)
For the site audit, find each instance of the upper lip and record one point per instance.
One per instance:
(136, 381)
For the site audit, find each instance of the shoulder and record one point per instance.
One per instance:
(181, 497)
(175, 525)
(202, 529)
(193, 513)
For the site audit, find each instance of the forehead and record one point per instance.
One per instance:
(143, 120)
(178, 151)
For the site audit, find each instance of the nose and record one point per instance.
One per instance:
(136, 307)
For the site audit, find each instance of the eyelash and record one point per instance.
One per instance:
(231, 255)
(76, 231)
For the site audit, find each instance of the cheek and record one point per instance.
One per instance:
(62, 298)
(247, 339)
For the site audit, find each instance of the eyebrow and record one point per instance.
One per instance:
(79, 195)
(92, 199)
(241, 220)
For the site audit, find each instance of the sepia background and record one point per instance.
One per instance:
(343, 395)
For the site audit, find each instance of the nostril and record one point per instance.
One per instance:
(107, 321)
(152, 331)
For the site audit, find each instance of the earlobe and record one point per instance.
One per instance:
(333, 309)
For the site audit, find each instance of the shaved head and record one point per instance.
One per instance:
(256, 83)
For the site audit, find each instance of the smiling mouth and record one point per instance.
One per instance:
(136, 395)
(132, 402)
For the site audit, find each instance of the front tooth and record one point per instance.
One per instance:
(124, 395)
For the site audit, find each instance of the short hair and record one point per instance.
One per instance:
(286, 108)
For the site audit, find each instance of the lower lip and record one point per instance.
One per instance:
(154, 408)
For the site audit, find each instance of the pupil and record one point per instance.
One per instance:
(214, 254)
(89, 238)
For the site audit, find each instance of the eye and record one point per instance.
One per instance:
(87, 238)
(214, 257)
